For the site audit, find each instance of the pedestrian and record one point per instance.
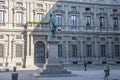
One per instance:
(85, 66)
(6, 66)
(107, 71)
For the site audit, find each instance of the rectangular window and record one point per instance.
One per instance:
(19, 16)
(60, 51)
(115, 10)
(1, 36)
(1, 50)
(2, 16)
(18, 50)
(89, 50)
(74, 38)
(74, 50)
(87, 9)
(39, 17)
(73, 20)
(117, 50)
(101, 10)
(40, 6)
(2, 2)
(73, 8)
(58, 20)
(59, 7)
(103, 50)
(101, 21)
(88, 21)
(19, 4)
(115, 21)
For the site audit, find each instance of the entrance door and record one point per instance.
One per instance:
(39, 55)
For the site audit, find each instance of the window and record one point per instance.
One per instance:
(2, 2)
(73, 8)
(103, 50)
(18, 50)
(18, 36)
(39, 17)
(40, 6)
(115, 21)
(115, 10)
(101, 10)
(89, 50)
(19, 17)
(74, 38)
(74, 50)
(59, 7)
(59, 37)
(2, 16)
(19, 4)
(102, 39)
(116, 39)
(60, 51)
(1, 36)
(88, 21)
(58, 20)
(101, 21)
(73, 20)
(117, 50)
(87, 9)
(1, 50)
(88, 38)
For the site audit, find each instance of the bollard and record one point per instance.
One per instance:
(14, 76)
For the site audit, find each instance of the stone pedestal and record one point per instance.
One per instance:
(52, 65)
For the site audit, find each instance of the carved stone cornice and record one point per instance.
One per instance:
(3, 7)
(115, 14)
(73, 12)
(101, 14)
(37, 10)
(19, 8)
(88, 13)
(59, 11)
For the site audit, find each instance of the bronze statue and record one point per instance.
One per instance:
(52, 26)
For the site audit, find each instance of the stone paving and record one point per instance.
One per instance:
(94, 72)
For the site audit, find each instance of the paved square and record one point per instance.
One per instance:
(94, 72)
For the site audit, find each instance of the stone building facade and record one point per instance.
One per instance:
(90, 31)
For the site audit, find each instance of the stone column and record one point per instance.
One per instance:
(82, 54)
(67, 55)
(96, 49)
(109, 49)
(52, 65)
(30, 51)
(27, 45)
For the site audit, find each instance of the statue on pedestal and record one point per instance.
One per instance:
(52, 26)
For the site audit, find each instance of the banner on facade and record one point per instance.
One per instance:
(59, 28)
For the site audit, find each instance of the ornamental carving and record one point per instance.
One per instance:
(115, 14)
(88, 13)
(73, 12)
(3, 7)
(59, 11)
(38, 10)
(19, 8)
(102, 14)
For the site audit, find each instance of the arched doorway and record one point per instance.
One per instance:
(39, 54)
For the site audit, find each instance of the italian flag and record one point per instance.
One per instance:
(59, 28)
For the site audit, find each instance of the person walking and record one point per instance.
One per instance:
(85, 66)
(107, 71)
